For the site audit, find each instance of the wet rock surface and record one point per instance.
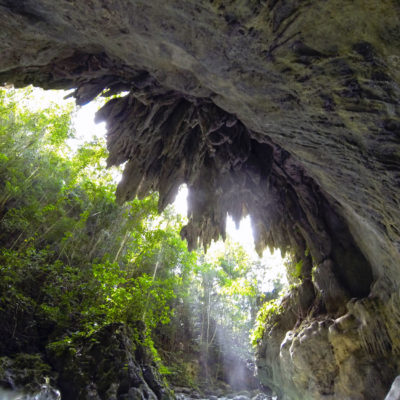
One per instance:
(27, 377)
(285, 110)
(27, 371)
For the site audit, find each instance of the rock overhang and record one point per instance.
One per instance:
(284, 109)
(306, 91)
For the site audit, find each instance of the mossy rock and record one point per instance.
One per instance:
(25, 371)
(107, 365)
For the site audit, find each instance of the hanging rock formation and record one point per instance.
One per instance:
(286, 110)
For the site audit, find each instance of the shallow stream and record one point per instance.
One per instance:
(46, 393)
(259, 396)
(49, 393)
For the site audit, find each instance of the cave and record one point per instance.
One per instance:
(283, 110)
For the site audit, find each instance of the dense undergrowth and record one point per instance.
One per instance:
(72, 261)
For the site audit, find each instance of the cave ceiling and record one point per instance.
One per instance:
(282, 109)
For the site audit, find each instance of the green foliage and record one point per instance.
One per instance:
(268, 311)
(127, 299)
(294, 270)
(213, 316)
(72, 261)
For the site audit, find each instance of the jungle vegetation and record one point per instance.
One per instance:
(73, 261)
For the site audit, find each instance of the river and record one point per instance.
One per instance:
(49, 393)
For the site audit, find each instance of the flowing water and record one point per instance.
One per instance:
(259, 396)
(49, 393)
(45, 393)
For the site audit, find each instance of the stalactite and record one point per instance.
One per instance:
(171, 139)
(167, 138)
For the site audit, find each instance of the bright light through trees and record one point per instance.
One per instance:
(86, 129)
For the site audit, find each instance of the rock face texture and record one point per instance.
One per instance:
(286, 110)
(108, 365)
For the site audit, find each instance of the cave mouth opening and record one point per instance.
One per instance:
(232, 173)
(169, 139)
(238, 231)
(86, 130)
(165, 139)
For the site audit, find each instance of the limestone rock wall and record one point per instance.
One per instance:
(284, 109)
(354, 356)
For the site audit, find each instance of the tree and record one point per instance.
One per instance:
(71, 259)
